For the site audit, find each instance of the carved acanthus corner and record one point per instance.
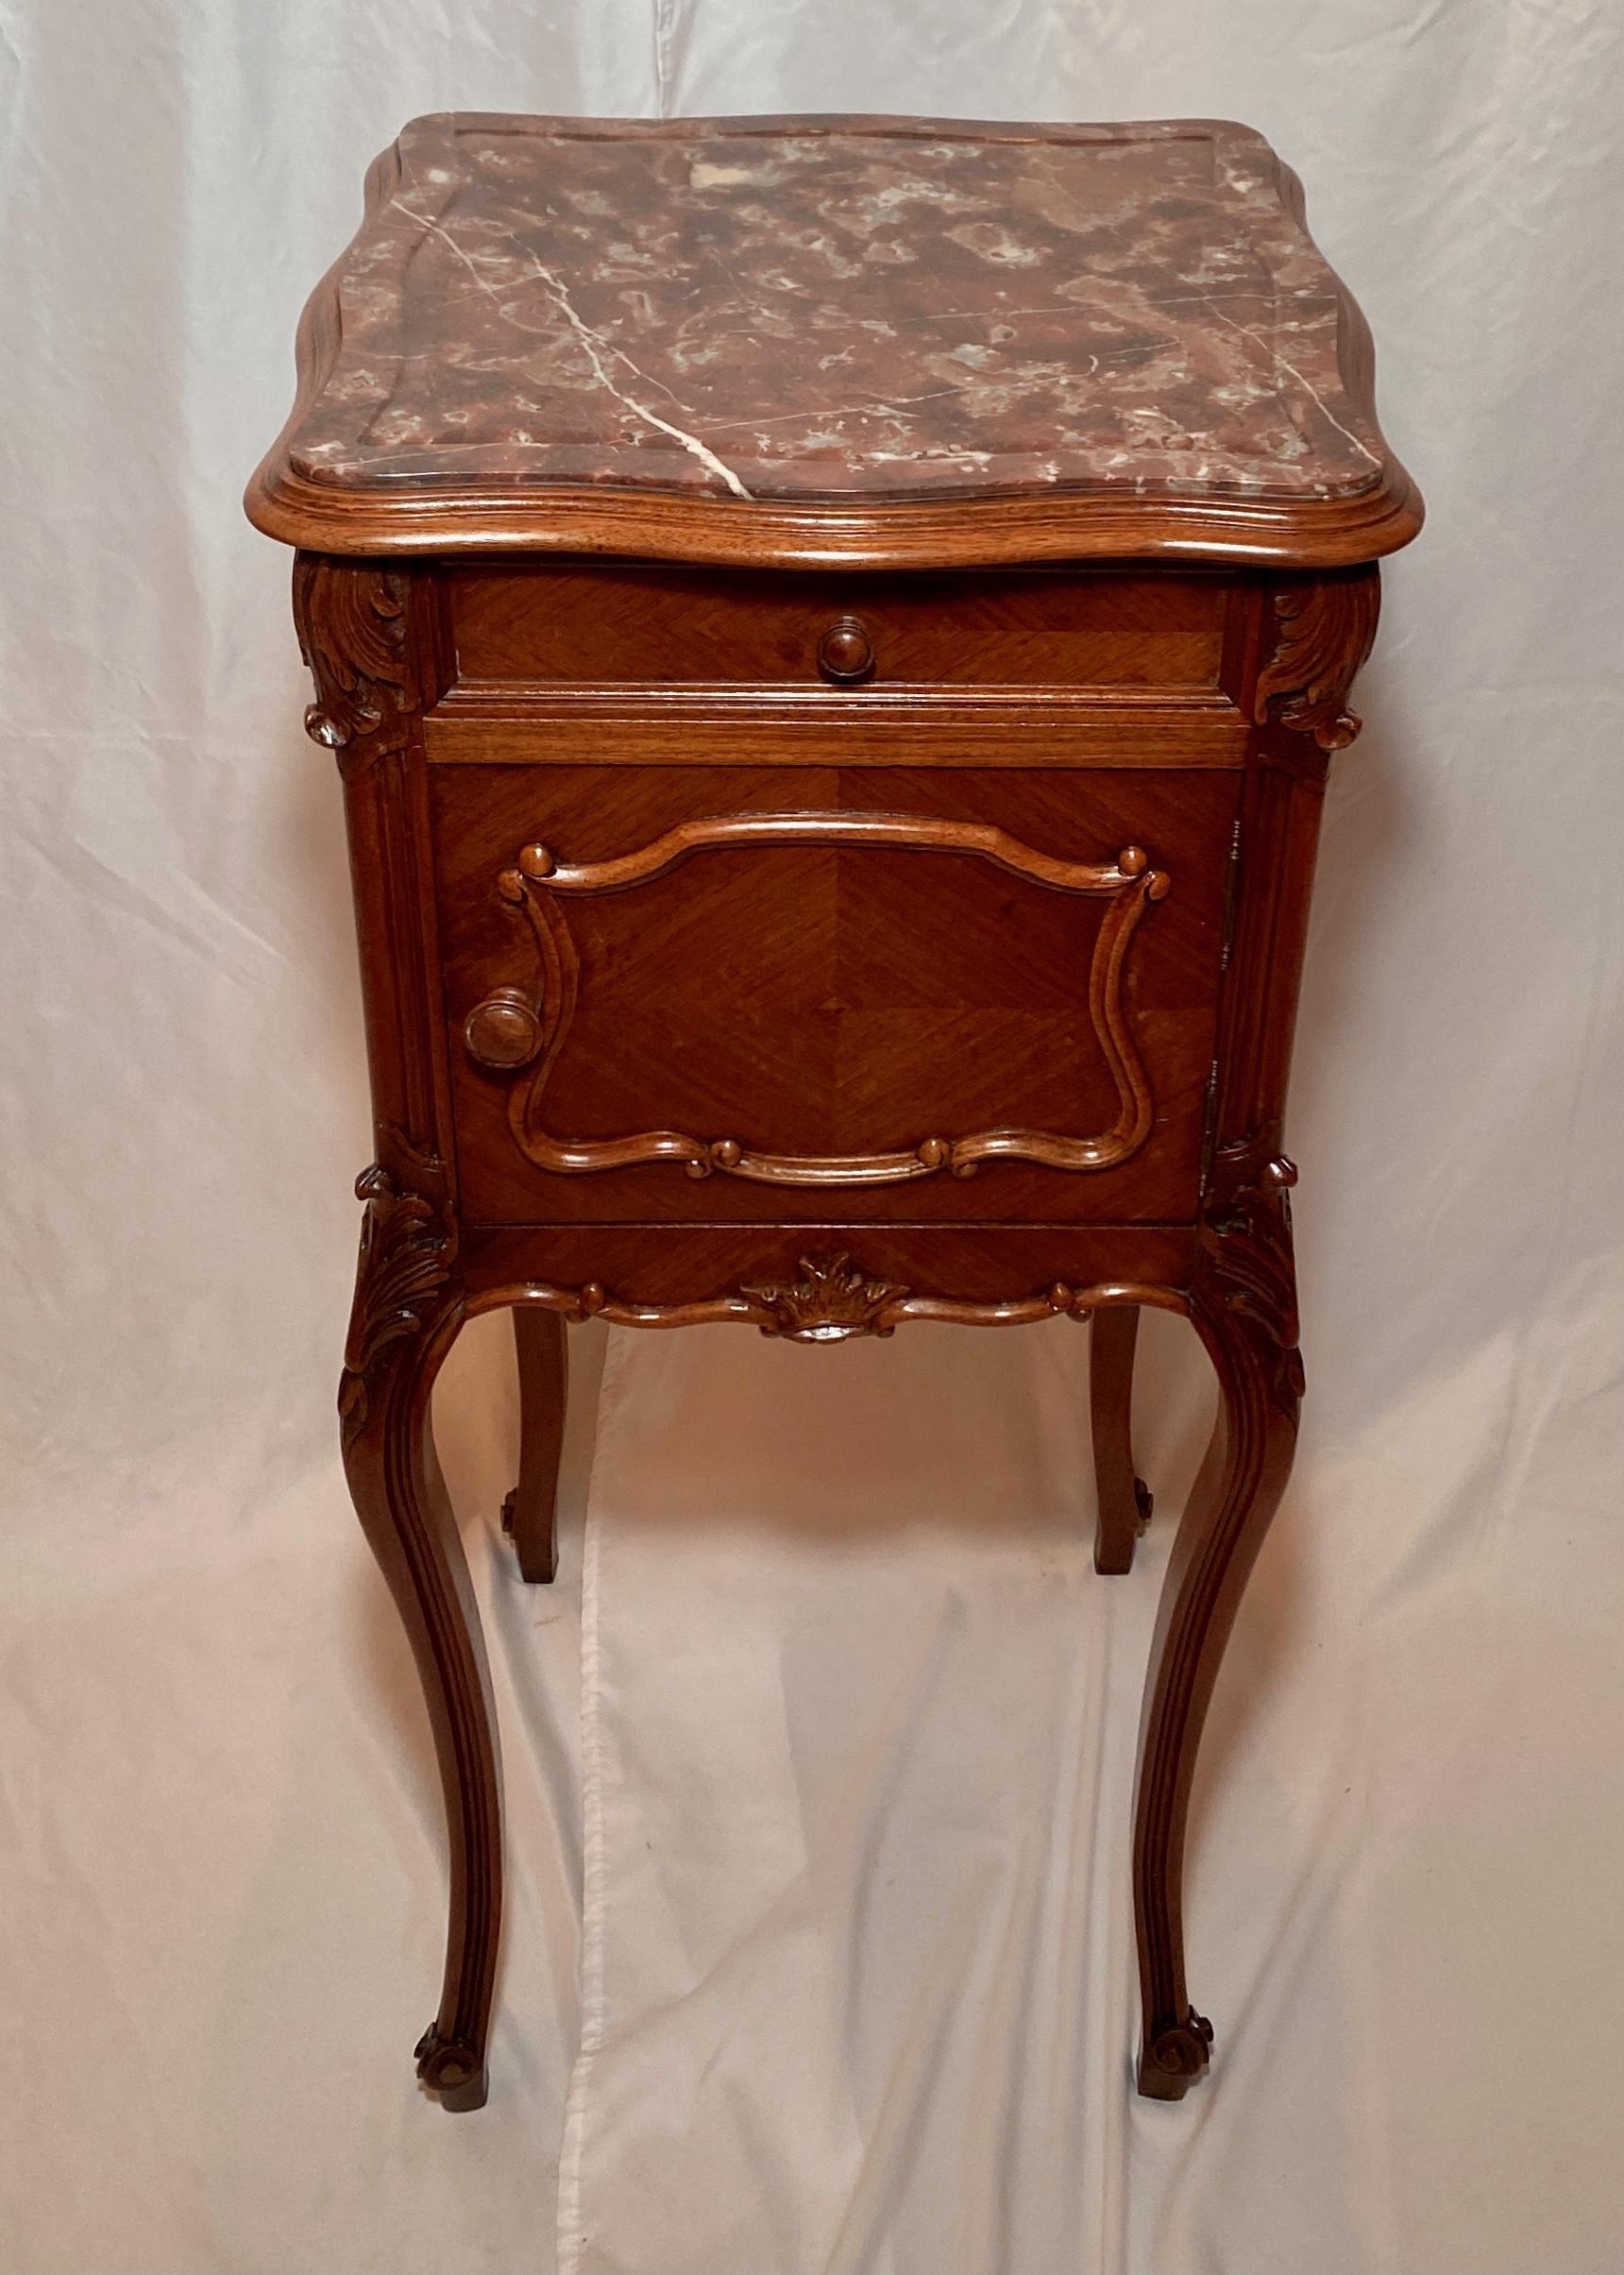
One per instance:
(830, 1301)
(1247, 1259)
(351, 620)
(1324, 627)
(405, 1261)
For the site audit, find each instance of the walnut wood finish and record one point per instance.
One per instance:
(829, 1300)
(1243, 1304)
(1124, 1499)
(560, 624)
(506, 1030)
(377, 641)
(925, 997)
(811, 912)
(530, 1511)
(405, 1317)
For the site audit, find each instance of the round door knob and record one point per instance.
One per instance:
(503, 1031)
(845, 652)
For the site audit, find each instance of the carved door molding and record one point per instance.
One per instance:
(521, 1030)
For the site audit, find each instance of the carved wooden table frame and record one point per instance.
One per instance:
(422, 1273)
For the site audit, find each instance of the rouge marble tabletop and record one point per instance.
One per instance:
(826, 325)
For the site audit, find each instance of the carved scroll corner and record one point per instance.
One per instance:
(1323, 628)
(351, 618)
(1248, 1264)
(402, 1269)
(832, 1302)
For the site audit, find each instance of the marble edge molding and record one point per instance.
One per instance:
(645, 521)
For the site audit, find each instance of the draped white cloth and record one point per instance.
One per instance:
(857, 1718)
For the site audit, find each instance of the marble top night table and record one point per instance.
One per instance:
(831, 631)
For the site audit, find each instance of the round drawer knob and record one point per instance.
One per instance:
(845, 652)
(502, 1031)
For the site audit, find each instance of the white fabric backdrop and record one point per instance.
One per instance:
(859, 1956)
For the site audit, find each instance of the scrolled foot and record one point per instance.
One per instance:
(455, 2074)
(1175, 2058)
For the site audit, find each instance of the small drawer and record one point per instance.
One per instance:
(690, 995)
(638, 624)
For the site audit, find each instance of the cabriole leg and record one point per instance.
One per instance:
(404, 1321)
(1244, 1309)
(1123, 1499)
(530, 1511)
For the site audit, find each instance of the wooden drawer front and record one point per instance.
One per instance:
(649, 624)
(728, 994)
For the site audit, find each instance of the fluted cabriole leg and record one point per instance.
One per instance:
(530, 1511)
(1123, 1499)
(1244, 1309)
(405, 1320)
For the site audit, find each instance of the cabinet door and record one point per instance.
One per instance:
(730, 994)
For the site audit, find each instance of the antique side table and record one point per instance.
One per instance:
(832, 630)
